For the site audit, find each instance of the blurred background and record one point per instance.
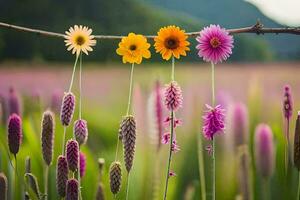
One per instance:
(38, 70)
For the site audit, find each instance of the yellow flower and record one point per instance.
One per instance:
(171, 41)
(134, 48)
(79, 38)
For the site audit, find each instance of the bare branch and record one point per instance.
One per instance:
(257, 28)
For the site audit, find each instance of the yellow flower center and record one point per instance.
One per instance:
(80, 40)
(171, 43)
(132, 47)
(215, 42)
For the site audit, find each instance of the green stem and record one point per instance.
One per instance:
(170, 153)
(73, 73)
(213, 140)
(201, 167)
(80, 85)
(16, 177)
(173, 69)
(127, 187)
(213, 83)
(130, 89)
(46, 181)
(64, 140)
(298, 192)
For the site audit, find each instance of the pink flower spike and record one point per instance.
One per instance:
(172, 174)
(166, 138)
(214, 44)
(214, 121)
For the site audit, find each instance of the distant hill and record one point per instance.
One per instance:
(232, 14)
(105, 17)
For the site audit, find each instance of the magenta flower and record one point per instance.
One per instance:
(172, 174)
(215, 44)
(213, 121)
(287, 102)
(175, 147)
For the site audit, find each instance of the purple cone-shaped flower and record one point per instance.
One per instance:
(81, 131)
(67, 109)
(287, 102)
(173, 96)
(264, 150)
(61, 176)
(82, 164)
(72, 154)
(72, 189)
(213, 121)
(215, 44)
(239, 122)
(14, 103)
(14, 133)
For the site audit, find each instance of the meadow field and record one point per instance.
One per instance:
(105, 91)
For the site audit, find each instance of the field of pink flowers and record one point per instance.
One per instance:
(260, 87)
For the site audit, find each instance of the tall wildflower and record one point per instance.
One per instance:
(72, 155)
(61, 175)
(287, 112)
(171, 42)
(264, 150)
(47, 138)
(133, 49)
(115, 177)
(214, 46)
(239, 123)
(14, 133)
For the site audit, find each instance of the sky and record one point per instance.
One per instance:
(286, 12)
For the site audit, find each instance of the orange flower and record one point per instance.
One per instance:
(134, 48)
(171, 41)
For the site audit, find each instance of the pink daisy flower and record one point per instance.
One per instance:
(215, 44)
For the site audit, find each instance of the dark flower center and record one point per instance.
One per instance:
(215, 42)
(132, 47)
(171, 43)
(80, 40)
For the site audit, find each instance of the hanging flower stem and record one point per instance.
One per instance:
(70, 88)
(127, 113)
(73, 74)
(172, 135)
(213, 140)
(80, 105)
(130, 89)
(46, 181)
(201, 167)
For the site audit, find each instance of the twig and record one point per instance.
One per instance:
(258, 28)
